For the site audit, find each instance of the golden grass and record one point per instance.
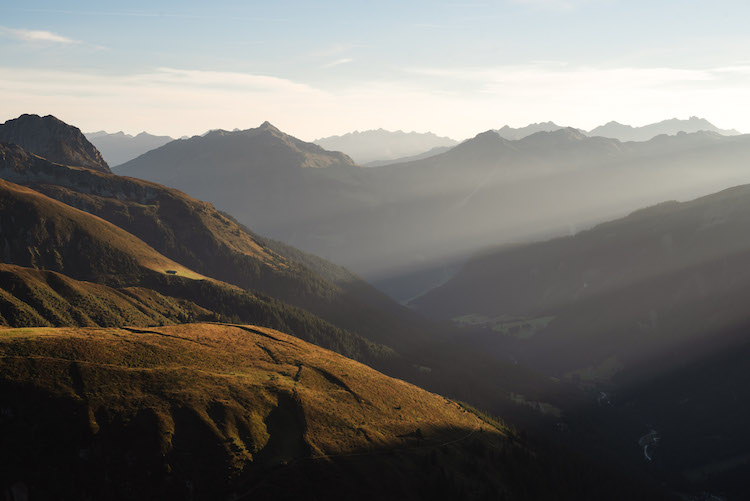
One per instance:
(65, 216)
(46, 298)
(341, 406)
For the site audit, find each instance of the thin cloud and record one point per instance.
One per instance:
(553, 76)
(337, 62)
(38, 36)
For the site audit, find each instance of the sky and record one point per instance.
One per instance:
(318, 68)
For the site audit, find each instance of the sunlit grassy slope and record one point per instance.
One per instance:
(218, 411)
(33, 297)
(246, 397)
(88, 245)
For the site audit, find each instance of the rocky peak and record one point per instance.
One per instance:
(54, 140)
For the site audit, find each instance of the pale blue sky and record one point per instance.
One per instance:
(319, 68)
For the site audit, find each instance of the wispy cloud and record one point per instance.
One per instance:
(556, 76)
(39, 36)
(337, 62)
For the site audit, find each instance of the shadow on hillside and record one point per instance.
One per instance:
(57, 447)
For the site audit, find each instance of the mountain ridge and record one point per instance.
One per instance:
(404, 227)
(646, 132)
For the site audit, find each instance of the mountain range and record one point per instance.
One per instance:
(164, 228)
(136, 398)
(118, 148)
(670, 127)
(154, 346)
(514, 134)
(624, 133)
(407, 227)
(379, 146)
(374, 148)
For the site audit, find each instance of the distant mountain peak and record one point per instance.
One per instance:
(489, 142)
(486, 137)
(670, 127)
(262, 147)
(569, 132)
(53, 139)
(268, 126)
(515, 134)
(559, 136)
(487, 134)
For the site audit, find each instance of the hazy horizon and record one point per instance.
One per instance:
(331, 68)
(404, 131)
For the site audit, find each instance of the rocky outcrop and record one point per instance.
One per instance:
(54, 140)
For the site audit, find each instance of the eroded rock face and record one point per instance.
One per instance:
(54, 140)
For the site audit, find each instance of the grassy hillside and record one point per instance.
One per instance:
(199, 237)
(41, 232)
(30, 297)
(207, 411)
